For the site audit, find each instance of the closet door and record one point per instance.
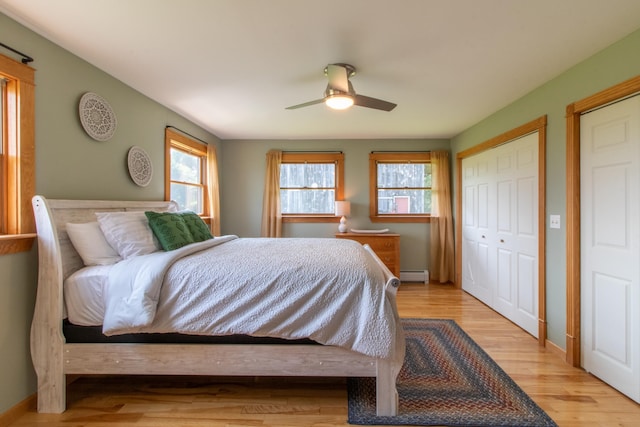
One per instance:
(478, 218)
(500, 217)
(516, 291)
(610, 244)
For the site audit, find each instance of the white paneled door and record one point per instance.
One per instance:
(610, 244)
(477, 260)
(500, 229)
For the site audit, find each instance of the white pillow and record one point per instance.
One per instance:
(128, 233)
(84, 293)
(91, 244)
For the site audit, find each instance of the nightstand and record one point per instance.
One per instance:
(385, 245)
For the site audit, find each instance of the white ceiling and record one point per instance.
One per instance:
(232, 66)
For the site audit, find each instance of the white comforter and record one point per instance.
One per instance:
(330, 290)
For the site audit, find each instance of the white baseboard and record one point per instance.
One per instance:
(420, 276)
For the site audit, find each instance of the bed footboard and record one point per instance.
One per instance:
(214, 360)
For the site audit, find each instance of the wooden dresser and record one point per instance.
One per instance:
(386, 246)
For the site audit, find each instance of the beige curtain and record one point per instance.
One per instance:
(271, 216)
(214, 190)
(441, 265)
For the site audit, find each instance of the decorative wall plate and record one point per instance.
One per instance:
(140, 167)
(97, 117)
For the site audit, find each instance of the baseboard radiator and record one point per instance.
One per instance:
(419, 276)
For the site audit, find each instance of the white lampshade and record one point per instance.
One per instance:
(339, 102)
(343, 208)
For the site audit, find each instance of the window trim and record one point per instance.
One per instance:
(17, 227)
(392, 157)
(181, 142)
(317, 157)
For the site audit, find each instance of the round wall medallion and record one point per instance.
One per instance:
(140, 167)
(97, 117)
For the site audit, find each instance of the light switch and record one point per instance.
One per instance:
(554, 221)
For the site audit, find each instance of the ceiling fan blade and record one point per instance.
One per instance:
(306, 104)
(338, 77)
(378, 104)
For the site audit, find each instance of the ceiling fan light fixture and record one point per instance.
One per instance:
(339, 94)
(339, 102)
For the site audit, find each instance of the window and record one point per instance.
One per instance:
(186, 172)
(3, 149)
(400, 187)
(310, 183)
(17, 156)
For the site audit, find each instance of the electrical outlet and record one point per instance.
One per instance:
(554, 221)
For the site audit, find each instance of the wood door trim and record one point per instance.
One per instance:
(573, 113)
(538, 125)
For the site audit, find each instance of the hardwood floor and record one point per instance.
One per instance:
(569, 395)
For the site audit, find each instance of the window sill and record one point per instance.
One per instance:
(14, 243)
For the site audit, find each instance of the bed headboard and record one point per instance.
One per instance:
(57, 259)
(52, 215)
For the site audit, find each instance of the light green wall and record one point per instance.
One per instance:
(69, 164)
(243, 184)
(18, 274)
(611, 66)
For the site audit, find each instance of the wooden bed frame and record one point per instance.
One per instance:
(53, 358)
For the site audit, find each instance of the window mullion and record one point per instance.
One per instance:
(192, 184)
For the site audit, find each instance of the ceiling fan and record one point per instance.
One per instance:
(339, 93)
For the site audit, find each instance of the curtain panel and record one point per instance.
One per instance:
(214, 190)
(271, 215)
(442, 244)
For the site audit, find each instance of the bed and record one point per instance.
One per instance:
(54, 356)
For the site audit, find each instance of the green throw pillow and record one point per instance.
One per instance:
(170, 229)
(199, 230)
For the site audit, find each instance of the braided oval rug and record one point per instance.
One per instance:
(447, 380)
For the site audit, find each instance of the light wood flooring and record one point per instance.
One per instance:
(569, 395)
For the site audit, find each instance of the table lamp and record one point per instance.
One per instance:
(342, 209)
